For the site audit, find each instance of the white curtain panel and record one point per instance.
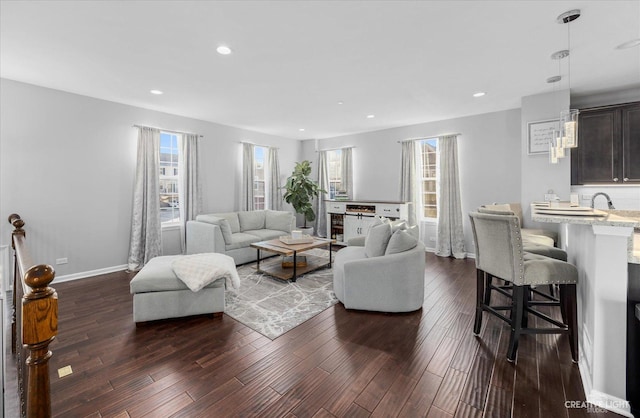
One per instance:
(408, 179)
(247, 176)
(189, 192)
(323, 182)
(450, 239)
(146, 238)
(347, 171)
(275, 192)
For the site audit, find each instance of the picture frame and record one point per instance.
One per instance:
(539, 134)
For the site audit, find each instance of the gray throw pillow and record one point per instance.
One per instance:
(400, 241)
(221, 222)
(376, 242)
(232, 218)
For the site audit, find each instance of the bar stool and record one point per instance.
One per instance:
(500, 254)
(530, 245)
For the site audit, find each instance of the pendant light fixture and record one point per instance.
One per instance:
(557, 143)
(569, 117)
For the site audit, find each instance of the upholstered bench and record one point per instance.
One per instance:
(158, 293)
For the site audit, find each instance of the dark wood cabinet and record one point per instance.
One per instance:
(608, 146)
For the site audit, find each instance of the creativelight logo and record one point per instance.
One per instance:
(595, 409)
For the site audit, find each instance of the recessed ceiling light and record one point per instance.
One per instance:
(158, 92)
(629, 44)
(371, 116)
(340, 102)
(301, 129)
(223, 50)
(479, 94)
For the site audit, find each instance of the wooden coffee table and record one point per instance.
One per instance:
(293, 250)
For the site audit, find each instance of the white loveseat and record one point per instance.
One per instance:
(232, 233)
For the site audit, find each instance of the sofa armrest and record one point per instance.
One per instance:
(204, 237)
(356, 241)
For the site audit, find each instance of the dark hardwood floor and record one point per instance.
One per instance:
(340, 363)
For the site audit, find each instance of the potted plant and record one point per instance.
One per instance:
(300, 191)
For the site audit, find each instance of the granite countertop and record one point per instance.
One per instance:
(609, 218)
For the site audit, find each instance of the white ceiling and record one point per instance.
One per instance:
(406, 62)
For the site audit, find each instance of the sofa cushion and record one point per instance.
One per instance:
(251, 220)
(231, 217)
(377, 239)
(221, 222)
(265, 234)
(400, 241)
(241, 240)
(278, 220)
(158, 276)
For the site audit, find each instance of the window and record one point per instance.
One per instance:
(428, 177)
(259, 156)
(334, 168)
(169, 178)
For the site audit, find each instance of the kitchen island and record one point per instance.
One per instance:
(601, 247)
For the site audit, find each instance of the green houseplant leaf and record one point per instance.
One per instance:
(300, 191)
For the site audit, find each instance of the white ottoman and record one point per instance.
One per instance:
(159, 294)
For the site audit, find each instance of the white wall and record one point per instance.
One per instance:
(67, 167)
(489, 159)
(538, 175)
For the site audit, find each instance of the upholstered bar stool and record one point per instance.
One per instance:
(500, 253)
(534, 244)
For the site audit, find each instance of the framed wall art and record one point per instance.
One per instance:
(539, 134)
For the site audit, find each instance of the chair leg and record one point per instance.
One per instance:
(480, 296)
(526, 299)
(569, 308)
(487, 288)
(516, 323)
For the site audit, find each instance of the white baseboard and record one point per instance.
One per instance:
(91, 273)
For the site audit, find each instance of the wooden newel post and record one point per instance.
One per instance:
(40, 326)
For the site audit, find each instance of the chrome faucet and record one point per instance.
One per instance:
(593, 198)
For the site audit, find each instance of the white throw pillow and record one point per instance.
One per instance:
(376, 242)
(199, 270)
(400, 241)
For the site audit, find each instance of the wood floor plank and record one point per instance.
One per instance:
(422, 396)
(450, 391)
(340, 363)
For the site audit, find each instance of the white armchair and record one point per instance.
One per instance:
(388, 283)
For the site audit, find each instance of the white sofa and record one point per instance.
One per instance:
(232, 233)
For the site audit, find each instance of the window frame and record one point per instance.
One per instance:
(257, 205)
(334, 165)
(421, 179)
(169, 180)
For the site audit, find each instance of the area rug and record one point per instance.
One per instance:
(271, 306)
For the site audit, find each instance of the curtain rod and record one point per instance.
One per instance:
(428, 137)
(332, 149)
(257, 145)
(166, 130)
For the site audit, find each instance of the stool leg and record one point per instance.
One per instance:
(527, 296)
(487, 288)
(480, 289)
(516, 322)
(569, 309)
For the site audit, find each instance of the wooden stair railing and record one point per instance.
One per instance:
(34, 325)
